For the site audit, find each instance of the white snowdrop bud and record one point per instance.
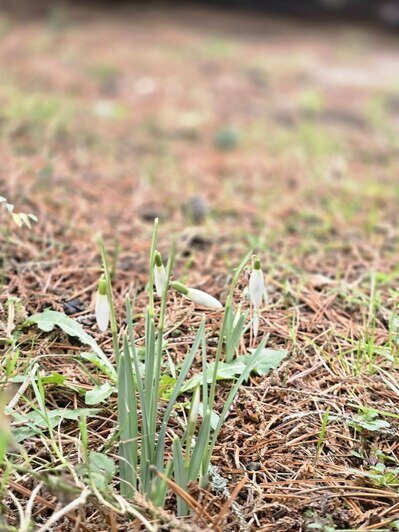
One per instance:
(197, 296)
(102, 305)
(256, 284)
(159, 274)
(195, 404)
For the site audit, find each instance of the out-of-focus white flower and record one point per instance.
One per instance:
(102, 305)
(257, 289)
(197, 296)
(159, 274)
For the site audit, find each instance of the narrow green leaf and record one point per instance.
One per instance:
(176, 392)
(127, 419)
(200, 448)
(180, 476)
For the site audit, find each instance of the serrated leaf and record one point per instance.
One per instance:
(369, 424)
(268, 359)
(35, 424)
(99, 470)
(102, 465)
(48, 319)
(99, 393)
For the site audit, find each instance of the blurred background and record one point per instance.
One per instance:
(274, 119)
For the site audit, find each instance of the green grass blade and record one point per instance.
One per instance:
(180, 476)
(152, 257)
(223, 327)
(200, 448)
(176, 391)
(127, 419)
(113, 322)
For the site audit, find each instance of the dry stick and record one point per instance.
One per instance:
(66, 509)
(21, 390)
(29, 506)
(27, 493)
(381, 523)
(230, 501)
(199, 510)
(83, 291)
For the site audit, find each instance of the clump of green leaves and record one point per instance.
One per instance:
(152, 390)
(147, 465)
(368, 419)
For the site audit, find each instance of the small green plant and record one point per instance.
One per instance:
(322, 434)
(150, 452)
(167, 426)
(383, 476)
(367, 419)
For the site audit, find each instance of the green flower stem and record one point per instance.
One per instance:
(114, 325)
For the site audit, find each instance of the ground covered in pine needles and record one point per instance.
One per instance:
(238, 132)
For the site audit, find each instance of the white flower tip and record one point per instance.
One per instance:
(159, 279)
(204, 299)
(102, 312)
(256, 287)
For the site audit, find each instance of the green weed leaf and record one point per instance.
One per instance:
(34, 423)
(99, 393)
(47, 320)
(268, 359)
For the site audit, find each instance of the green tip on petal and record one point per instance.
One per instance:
(102, 286)
(158, 259)
(256, 263)
(180, 287)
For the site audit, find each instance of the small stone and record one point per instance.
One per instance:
(196, 209)
(73, 306)
(254, 466)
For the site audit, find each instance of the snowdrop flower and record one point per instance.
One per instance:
(102, 305)
(197, 296)
(159, 274)
(257, 290)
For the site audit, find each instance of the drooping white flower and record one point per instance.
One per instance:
(159, 274)
(257, 289)
(102, 305)
(197, 296)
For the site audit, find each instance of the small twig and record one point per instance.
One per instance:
(65, 510)
(22, 388)
(230, 500)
